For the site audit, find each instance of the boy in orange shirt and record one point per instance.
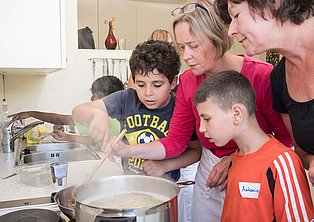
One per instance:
(266, 180)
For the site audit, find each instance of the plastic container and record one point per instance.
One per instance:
(59, 173)
(35, 175)
(32, 136)
(36, 134)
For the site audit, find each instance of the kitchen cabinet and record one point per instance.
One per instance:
(32, 36)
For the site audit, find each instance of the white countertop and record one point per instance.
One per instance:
(13, 189)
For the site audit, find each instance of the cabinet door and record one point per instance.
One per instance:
(32, 34)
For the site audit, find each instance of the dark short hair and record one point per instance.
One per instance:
(105, 85)
(154, 54)
(296, 11)
(226, 89)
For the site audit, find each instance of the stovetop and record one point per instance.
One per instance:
(31, 215)
(46, 203)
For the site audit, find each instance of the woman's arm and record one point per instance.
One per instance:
(160, 167)
(307, 159)
(152, 151)
(183, 120)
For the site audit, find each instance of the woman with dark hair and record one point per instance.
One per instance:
(286, 26)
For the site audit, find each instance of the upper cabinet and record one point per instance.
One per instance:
(32, 39)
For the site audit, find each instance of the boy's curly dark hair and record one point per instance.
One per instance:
(154, 54)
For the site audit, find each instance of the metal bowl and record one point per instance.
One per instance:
(66, 202)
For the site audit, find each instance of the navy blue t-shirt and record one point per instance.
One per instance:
(143, 125)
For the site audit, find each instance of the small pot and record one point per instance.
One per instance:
(65, 201)
(87, 195)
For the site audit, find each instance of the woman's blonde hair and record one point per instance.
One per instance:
(206, 23)
(161, 35)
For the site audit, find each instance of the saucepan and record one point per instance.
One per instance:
(84, 202)
(65, 201)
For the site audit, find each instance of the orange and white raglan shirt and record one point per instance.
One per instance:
(267, 185)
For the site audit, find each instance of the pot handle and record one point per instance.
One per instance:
(115, 219)
(185, 183)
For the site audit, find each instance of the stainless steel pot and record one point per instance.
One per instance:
(65, 201)
(85, 210)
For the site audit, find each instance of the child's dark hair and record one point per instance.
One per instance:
(226, 89)
(105, 85)
(154, 54)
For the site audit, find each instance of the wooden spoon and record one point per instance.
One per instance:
(91, 175)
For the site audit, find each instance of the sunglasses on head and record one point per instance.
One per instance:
(187, 9)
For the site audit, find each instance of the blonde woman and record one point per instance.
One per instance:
(204, 44)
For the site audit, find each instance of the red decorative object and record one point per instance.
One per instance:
(111, 41)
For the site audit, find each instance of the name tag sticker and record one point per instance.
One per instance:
(249, 190)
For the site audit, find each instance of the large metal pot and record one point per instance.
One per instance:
(87, 195)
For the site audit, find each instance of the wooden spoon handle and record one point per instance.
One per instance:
(91, 175)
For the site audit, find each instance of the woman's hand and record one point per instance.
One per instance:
(311, 169)
(307, 160)
(121, 149)
(152, 151)
(219, 173)
(154, 168)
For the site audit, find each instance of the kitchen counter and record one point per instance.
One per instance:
(13, 189)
